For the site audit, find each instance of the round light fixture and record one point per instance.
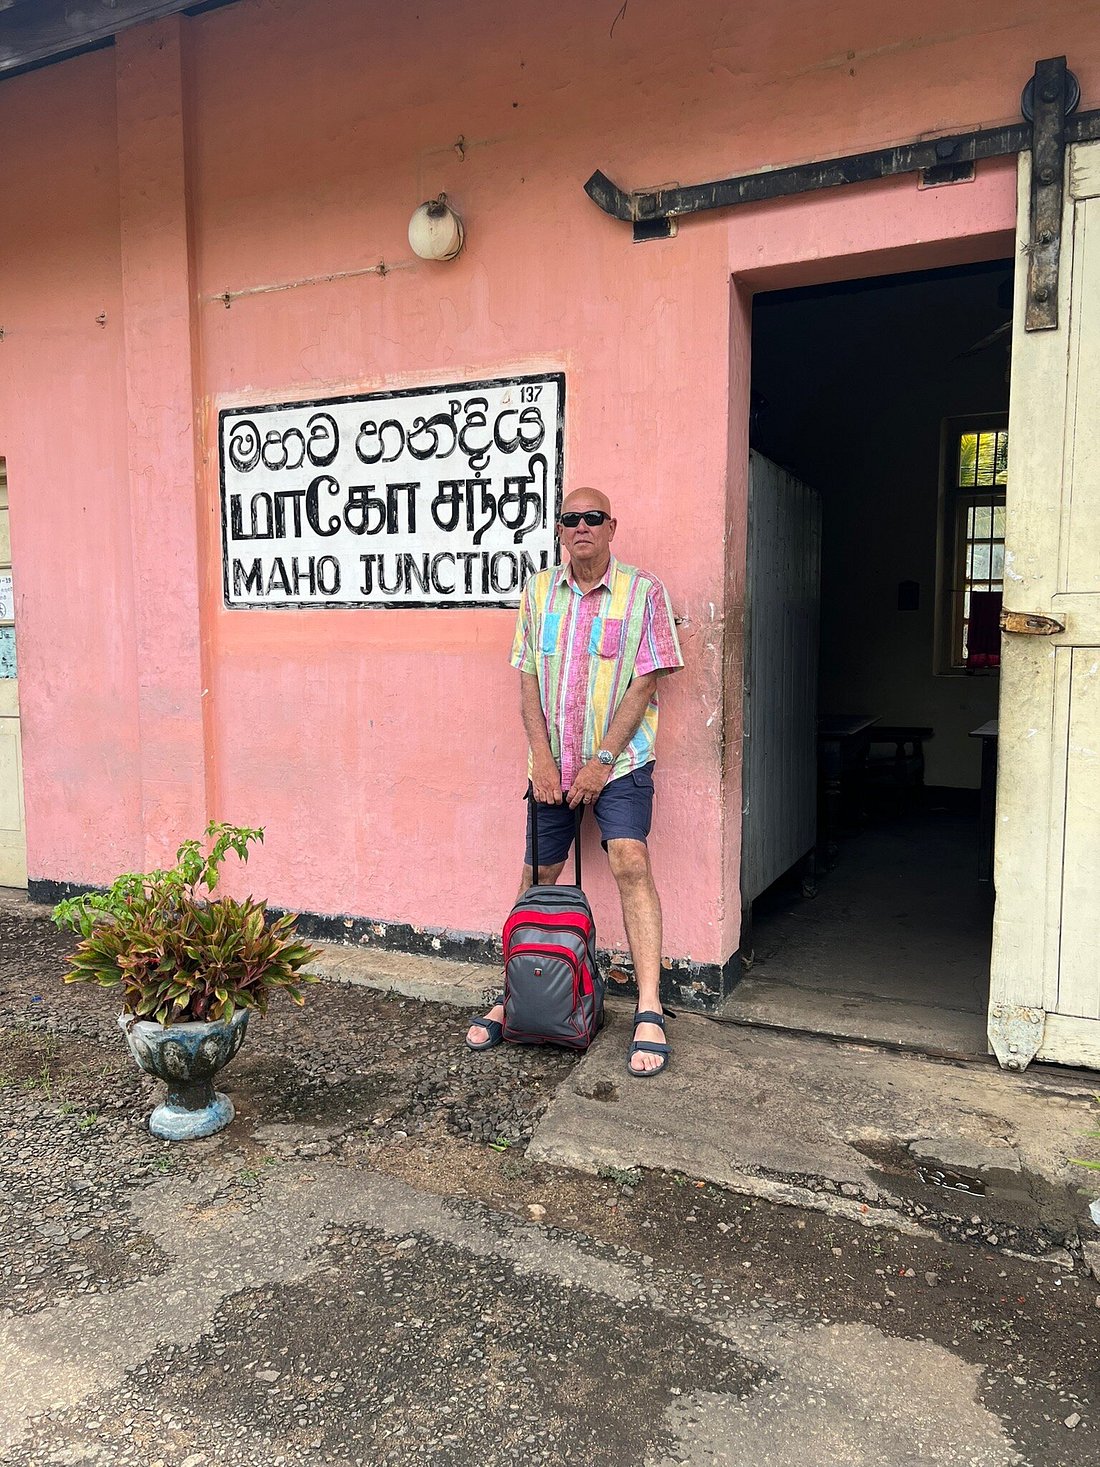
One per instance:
(435, 231)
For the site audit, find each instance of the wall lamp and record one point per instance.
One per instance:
(435, 231)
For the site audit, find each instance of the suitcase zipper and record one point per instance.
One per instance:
(564, 952)
(511, 925)
(511, 948)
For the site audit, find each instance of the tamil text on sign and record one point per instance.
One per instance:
(434, 496)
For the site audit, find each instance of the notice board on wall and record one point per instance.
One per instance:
(426, 496)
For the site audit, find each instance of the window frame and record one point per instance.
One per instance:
(954, 504)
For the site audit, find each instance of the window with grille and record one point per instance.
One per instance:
(974, 544)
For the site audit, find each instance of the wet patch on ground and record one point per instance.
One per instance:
(438, 1359)
(1033, 1329)
(277, 1092)
(453, 1124)
(68, 1121)
(364, 1065)
(31, 947)
(1004, 1206)
(33, 1057)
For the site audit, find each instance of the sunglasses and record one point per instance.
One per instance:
(591, 517)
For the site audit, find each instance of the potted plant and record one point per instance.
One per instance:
(191, 968)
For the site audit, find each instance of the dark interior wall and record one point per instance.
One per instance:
(851, 387)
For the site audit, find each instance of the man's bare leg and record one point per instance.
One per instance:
(548, 876)
(642, 919)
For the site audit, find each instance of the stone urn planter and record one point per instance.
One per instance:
(186, 1057)
(189, 968)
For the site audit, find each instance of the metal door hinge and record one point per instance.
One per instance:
(1015, 1034)
(1049, 101)
(1030, 624)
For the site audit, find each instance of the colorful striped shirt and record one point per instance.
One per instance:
(586, 648)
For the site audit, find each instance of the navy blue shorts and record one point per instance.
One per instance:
(624, 811)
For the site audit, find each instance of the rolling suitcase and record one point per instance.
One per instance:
(553, 991)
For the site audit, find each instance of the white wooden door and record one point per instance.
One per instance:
(782, 614)
(1045, 988)
(13, 842)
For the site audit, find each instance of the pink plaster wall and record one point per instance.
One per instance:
(160, 346)
(408, 770)
(382, 750)
(63, 432)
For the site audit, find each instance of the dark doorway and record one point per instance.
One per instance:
(888, 397)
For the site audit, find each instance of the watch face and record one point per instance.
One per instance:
(605, 757)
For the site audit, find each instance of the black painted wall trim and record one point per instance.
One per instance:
(12, 66)
(684, 984)
(86, 49)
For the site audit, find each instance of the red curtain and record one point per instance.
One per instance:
(983, 636)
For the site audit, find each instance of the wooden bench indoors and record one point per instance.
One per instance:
(895, 760)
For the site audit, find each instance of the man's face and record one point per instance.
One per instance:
(587, 545)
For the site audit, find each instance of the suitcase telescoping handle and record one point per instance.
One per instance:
(578, 815)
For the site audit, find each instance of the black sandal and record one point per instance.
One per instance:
(648, 1046)
(493, 1027)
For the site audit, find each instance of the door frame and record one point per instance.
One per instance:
(910, 258)
(1032, 1016)
(13, 854)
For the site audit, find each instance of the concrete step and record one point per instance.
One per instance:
(440, 980)
(880, 1137)
(930, 1028)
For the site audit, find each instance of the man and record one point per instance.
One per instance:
(592, 641)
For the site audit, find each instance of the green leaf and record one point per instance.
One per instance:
(176, 950)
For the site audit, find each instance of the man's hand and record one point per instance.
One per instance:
(589, 783)
(546, 782)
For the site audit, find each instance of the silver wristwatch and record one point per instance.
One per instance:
(606, 757)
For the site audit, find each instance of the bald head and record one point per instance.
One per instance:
(588, 546)
(587, 499)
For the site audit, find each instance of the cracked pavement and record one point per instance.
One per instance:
(459, 1336)
(370, 1267)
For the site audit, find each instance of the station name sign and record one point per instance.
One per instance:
(428, 496)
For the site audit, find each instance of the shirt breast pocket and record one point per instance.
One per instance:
(607, 637)
(551, 631)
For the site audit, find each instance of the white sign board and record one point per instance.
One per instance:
(7, 597)
(430, 496)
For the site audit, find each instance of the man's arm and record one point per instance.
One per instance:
(622, 728)
(630, 713)
(545, 774)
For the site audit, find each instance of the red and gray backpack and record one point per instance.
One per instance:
(553, 991)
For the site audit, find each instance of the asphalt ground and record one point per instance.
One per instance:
(366, 1267)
